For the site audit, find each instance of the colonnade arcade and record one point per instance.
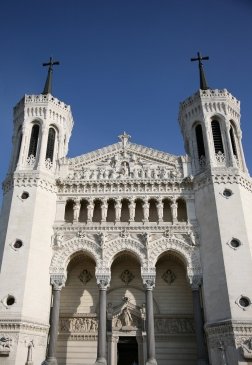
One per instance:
(132, 209)
(129, 295)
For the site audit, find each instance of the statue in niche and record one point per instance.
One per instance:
(124, 170)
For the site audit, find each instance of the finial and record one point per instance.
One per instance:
(124, 138)
(48, 83)
(203, 83)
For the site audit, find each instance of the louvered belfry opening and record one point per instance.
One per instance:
(200, 141)
(218, 145)
(50, 144)
(34, 140)
(232, 138)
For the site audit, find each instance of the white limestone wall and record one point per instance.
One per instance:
(214, 275)
(25, 271)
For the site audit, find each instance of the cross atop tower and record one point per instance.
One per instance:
(48, 83)
(203, 82)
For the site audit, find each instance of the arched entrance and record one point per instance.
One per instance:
(126, 303)
(174, 324)
(77, 339)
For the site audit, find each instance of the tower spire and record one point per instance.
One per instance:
(48, 83)
(203, 82)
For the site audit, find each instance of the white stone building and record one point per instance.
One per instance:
(127, 254)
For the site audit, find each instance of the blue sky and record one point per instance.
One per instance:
(125, 65)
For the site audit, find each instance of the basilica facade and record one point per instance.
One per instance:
(127, 255)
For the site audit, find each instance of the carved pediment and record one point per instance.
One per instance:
(124, 162)
(126, 316)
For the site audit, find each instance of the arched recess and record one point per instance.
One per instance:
(113, 248)
(200, 141)
(126, 281)
(217, 136)
(83, 210)
(69, 212)
(153, 214)
(62, 256)
(51, 140)
(188, 254)
(78, 311)
(182, 211)
(97, 211)
(34, 140)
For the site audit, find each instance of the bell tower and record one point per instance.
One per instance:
(210, 125)
(42, 129)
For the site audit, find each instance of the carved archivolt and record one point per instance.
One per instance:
(124, 244)
(189, 254)
(147, 255)
(63, 255)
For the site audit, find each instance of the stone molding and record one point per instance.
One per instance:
(105, 252)
(230, 333)
(8, 325)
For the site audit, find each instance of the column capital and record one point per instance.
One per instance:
(149, 279)
(103, 281)
(58, 281)
(195, 281)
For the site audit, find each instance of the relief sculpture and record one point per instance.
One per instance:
(174, 325)
(78, 324)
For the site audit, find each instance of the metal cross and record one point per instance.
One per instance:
(203, 83)
(48, 83)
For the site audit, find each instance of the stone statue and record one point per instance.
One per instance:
(127, 319)
(90, 210)
(174, 211)
(118, 208)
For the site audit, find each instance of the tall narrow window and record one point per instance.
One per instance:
(20, 137)
(232, 138)
(50, 144)
(200, 141)
(218, 145)
(34, 140)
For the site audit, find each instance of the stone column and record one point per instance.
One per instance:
(57, 282)
(24, 146)
(103, 283)
(104, 210)
(174, 211)
(118, 209)
(42, 146)
(202, 358)
(90, 211)
(146, 210)
(132, 208)
(160, 210)
(76, 210)
(149, 283)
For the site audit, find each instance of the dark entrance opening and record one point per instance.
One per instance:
(127, 351)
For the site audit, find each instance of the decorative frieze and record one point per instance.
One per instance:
(174, 325)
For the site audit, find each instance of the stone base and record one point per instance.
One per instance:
(50, 361)
(101, 361)
(151, 362)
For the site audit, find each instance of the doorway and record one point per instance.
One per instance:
(127, 351)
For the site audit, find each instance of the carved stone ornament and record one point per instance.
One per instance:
(124, 233)
(174, 325)
(58, 281)
(81, 234)
(6, 343)
(85, 276)
(246, 349)
(195, 281)
(84, 323)
(169, 277)
(126, 277)
(103, 281)
(149, 281)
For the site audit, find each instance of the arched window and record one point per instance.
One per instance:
(19, 138)
(200, 141)
(218, 145)
(34, 140)
(232, 138)
(50, 144)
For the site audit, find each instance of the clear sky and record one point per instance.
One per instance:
(125, 64)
